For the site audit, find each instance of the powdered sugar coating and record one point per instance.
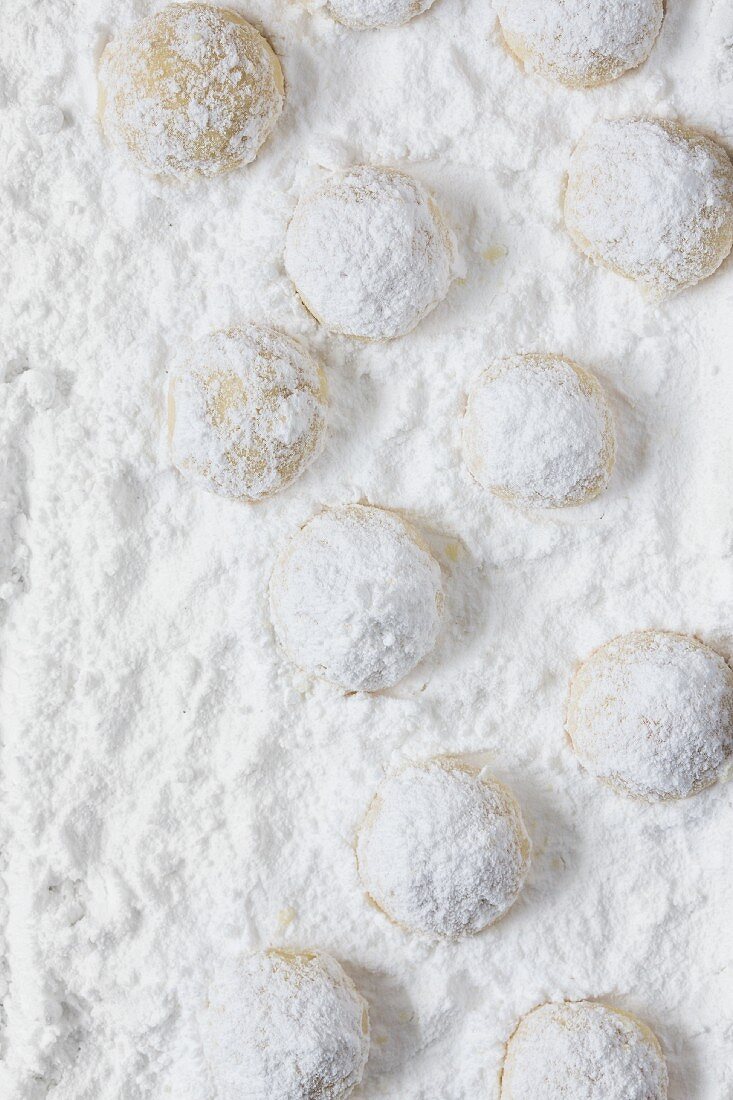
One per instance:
(246, 412)
(651, 201)
(538, 431)
(581, 43)
(356, 598)
(443, 849)
(191, 90)
(285, 1026)
(366, 14)
(651, 714)
(583, 1050)
(370, 253)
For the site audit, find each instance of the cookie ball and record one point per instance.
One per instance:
(651, 715)
(443, 849)
(246, 412)
(651, 201)
(193, 90)
(371, 14)
(356, 598)
(538, 432)
(285, 1024)
(580, 43)
(370, 253)
(583, 1050)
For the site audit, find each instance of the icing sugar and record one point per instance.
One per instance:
(364, 14)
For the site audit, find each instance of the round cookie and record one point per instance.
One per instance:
(538, 432)
(651, 715)
(246, 412)
(582, 1050)
(356, 598)
(371, 14)
(652, 201)
(443, 849)
(370, 253)
(193, 90)
(285, 1024)
(581, 43)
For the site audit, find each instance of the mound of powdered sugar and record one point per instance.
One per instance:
(364, 14)
(651, 713)
(356, 598)
(538, 431)
(652, 201)
(581, 42)
(288, 1025)
(583, 1051)
(370, 253)
(443, 849)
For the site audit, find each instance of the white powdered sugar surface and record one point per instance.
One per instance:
(651, 713)
(175, 792)
(369, 253)
(366, 14)
(284, 1025)
(581, 41)
(583, 1051)
(443, 849)
(356, 598)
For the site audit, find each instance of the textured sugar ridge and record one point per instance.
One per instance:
(538, 431)
(365, 14)
(356, 598)
(581, 42)
(651, 713)
(370, 253)
(652, 201)
(247, 411)
(191, 90)
(583, 1051)
(285, 1025)
(443, 850)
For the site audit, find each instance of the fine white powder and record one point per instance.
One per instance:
(356, 598)
(376, 13)
(581, 41)
(583, 1051)
(174, 792)
(443, 850)
(652, 714)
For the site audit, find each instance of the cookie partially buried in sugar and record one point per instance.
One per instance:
(443, 849)
(356, 598)
(538, 432)
(370, 253)
(583, 1050)
(652, 201)
(371, 14)
(580, 43)
(283, 1025)
(651, 715)
(193, 90)
(246, 412)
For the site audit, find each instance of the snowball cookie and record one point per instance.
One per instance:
(538, 432)
(356, 598)
(281, 1025)
(191, 90)
(443, 849)
(651, 201)
(580, 43)
(651, 715)
(367, 14)
(246, 412)
(583, 1051)
(369, 253)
